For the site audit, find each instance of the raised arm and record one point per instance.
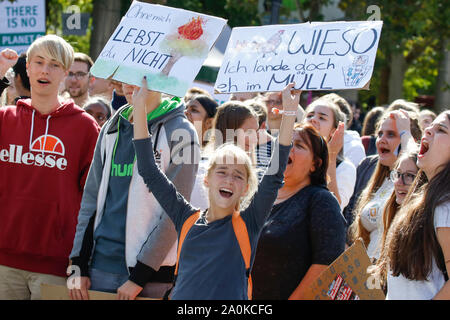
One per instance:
(272, 181)
(173, 203)
(8, 58)
(290, 99)
(403, 123)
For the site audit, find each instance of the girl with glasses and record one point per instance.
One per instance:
(417, 252)
(402, 176)
(396, 132)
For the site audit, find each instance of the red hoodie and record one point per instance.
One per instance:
(44, 161)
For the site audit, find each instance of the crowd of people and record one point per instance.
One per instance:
(122, 189)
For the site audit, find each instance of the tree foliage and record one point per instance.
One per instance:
(237, 12)
(55, 8)
(412, 28)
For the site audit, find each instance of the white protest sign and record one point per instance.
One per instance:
(21, 22)
(166, 45)
(316, 56)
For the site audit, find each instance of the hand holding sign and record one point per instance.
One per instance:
(290, 98)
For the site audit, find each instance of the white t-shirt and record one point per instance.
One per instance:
(353, 147)
(346, 179)
(400, 288)
(199, 195)
(372, 217)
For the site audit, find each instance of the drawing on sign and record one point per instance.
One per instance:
(340, 290)
(150, 40)
(316, 56)
(261, 45)
(186, 41)
(269, 46)
(354, 73)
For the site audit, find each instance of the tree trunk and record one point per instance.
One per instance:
(383, 94)
(442, 96)
(175, 57)
(105, 18)
(397, 75)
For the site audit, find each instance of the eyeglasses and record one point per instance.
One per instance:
(78, 75)
(407, 178)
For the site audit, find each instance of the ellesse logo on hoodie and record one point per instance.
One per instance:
(45, 151)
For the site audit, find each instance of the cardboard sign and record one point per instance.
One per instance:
(316, 56)
(55, 292)
(21, 22)
(166, 45)
(347, 278)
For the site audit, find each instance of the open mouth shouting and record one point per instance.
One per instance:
(226, 193)
(384, 150)
(424, 146)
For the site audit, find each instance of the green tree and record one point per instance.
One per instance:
(55, 8)
(410, 48)
(237, 12)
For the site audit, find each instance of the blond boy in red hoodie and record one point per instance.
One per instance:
(46, 146)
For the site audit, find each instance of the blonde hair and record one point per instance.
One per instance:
(229, 153)
(53, 47)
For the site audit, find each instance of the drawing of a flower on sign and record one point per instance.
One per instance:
(354, 73)
(186, 41)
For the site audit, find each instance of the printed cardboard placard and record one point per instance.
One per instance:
(347, 278)
(55, 292)
(167, 45)
(21, 22)
(316, 56)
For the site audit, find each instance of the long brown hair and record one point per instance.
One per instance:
(411, 243)
(389, 213)
(356, 229)
(380, 174)
(371, 119)
(391, 207)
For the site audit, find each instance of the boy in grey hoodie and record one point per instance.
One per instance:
(124, 241)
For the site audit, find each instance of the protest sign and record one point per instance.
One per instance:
(347, 278)
(166, 45)
(21, 22)
(316, 56)
(55, 292)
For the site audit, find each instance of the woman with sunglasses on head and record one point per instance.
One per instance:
(417, 250)
(397, 131)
